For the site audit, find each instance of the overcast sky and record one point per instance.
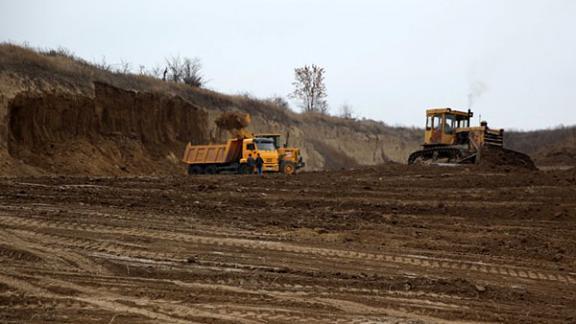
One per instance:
(390, 60)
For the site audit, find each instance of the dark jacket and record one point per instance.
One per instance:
(259, 162)
(250, 161)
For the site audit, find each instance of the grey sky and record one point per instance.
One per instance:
(390, 60)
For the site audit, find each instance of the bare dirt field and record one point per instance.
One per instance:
(391, 244)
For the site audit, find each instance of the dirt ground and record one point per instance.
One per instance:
(392, 244)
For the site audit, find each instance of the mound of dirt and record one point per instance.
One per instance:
(495, 158)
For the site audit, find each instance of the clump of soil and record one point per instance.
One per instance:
(233, 120)
(496, 158)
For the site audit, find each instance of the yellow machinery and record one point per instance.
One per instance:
(233, 155)
(290, 157)
(449, 138)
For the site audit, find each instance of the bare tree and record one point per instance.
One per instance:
(174, 65)
(309, 89)
(346, 111)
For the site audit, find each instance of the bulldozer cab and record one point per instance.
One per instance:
(442, 125)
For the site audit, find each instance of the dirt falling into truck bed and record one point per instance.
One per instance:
(118, 132)
(232, 120)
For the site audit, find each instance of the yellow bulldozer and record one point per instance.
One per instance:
(449, 138)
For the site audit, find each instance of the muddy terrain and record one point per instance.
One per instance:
(386, 244)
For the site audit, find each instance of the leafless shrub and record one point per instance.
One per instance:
(103, 65)
(191, 72)
(184, 70)
(278, 102)
(60, 51)
(123, 67)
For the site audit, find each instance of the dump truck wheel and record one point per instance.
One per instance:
(211, 169)
(194, 169)
(288, 168)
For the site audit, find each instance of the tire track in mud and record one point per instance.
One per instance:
(140, 218)
(54, 258)
(164, 311)
(259, 287)
(254, 286)
(109, 305)
(173, 312)
(432, 302)
(290, 316)
(226, 242)
(417, 261)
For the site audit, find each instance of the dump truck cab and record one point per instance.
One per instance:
(444, 124)
(267, 150)
(290, 158)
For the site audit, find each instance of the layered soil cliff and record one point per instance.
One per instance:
(115, 132)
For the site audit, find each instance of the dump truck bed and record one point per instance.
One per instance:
(213, 153)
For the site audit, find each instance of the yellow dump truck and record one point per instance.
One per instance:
(232, 156)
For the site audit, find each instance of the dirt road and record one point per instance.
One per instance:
(389, 244)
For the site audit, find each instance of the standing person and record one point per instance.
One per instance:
(259, 163)
(250, 162)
